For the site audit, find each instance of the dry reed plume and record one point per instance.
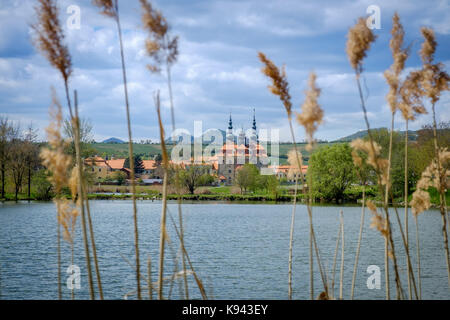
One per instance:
(431, 177)
(279, 86)
(373, 151)
(50, 37)
(312, 114)
(359, 40)
(433, 82)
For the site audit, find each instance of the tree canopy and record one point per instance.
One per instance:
(331, 171)
(138, 164)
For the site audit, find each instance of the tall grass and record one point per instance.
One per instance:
(111, 9)
(310, 117)
(50, 40)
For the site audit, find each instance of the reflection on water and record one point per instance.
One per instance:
(240, 251)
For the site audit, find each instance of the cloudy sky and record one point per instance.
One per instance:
(217, 71)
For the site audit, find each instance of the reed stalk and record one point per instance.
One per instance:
(183, 260)
(386, 198)
(162, 237)
(358, 247)
(408, 258)
(58, 254)
(72, 262)
(291, 240)
(149, 278)
(338, 239)
(366, 120)
(311, 230)
(130, 151)
(88, 211)
(442, 181)
(196, 278)
(418, 257)
(79, 165)
(341, 278)
(408, 265)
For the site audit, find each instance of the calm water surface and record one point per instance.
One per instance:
(240, 251)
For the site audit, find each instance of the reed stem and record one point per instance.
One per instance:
(58, 254)
(291, 240)
(131, 156)
(183, 260)
(442, 181)
(358, 248)
(408, 265)
(418, 256)
(197, 279)
(386, 259)
(88, 211)
(338, 239)
(76, 134)
(149, 276)
(341, 279)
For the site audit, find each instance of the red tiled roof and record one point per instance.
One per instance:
(116, 163)
(149, 164)
(96, 161)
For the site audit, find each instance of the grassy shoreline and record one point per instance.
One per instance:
(253, 198)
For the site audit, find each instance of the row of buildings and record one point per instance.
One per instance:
(235, 152)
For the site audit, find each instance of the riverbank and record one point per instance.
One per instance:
(254, 198)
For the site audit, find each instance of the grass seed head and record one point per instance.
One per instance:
(312, 113)
(279, 86)
(359, 39)
(50, 37)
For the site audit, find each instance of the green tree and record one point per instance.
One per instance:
(269, 183)
(120, 177)
(8, 133)
(86, 138)
(19, 164)
(32, 154)
(331, 171)
(42, 186)
(247, 177)
(158, 159)
(138, 164)
(191, 177)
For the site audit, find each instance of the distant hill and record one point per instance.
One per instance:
(205, 139)
(113, 140)
(412, 135)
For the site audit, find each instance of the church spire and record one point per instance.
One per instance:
(254, 120)
(230, 123)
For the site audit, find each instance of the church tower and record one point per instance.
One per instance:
(254, 136)
(230, 136)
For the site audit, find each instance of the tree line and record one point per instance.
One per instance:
(332, 173)
(19, 157)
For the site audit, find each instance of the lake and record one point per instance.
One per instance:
(239, 250)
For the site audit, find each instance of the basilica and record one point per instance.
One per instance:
(239, 149)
